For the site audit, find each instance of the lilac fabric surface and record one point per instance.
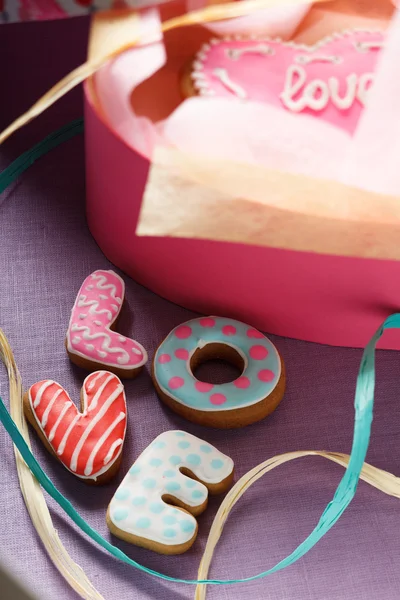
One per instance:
(45, 253)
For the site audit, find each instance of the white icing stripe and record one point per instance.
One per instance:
(103, 285)
(112, 449)
(63, 442)
(97, 395)
(41, 390)
(94, 304)
(98, 445)
(365, 46)
(123, 359)
(60, 416)
(49, 407)
(92, 424)
(222, 75)
(94, 378)
(305, 59)
(236, 53)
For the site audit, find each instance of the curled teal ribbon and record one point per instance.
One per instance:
(363, 404)
(27, 159)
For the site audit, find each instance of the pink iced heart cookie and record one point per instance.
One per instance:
(330, 80)
(91, 343)
(88, 443)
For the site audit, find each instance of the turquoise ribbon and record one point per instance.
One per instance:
(23, 162)
(363, 404)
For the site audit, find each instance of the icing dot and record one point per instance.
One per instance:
(205, 448)
(217, 463)
(149, 483)
(169, 533)
(175, 460)
(207, 322)
(169, 520)
(258, 352)
(134, 470)
(217, 399)
(183, 332)
(266, 375)
(172, 486)
(143, 523)
(184, 445)
(181, 353)
(156, 507)
(242, 383)
(155, 462)
(253, 333)
(175, 382)
(164, 358)
(229, 330)
(120, 514)
(180, 433)
(169, 473)
(122, 494)
(202, 386)
(138, 500)
(159, 445)
(190, 483)
(197, 494)
(193, 459)
(187, 526)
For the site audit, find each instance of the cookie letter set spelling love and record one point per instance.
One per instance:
(168, 485)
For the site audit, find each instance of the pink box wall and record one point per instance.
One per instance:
(326, 299)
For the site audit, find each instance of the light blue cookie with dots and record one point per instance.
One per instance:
(176, 468)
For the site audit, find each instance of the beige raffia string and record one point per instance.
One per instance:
(32, 492)
(123, 32)
(382, 480)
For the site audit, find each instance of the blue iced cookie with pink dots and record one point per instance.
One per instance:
(250, 397)
(165, 489)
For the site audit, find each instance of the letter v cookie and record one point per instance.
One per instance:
(91, 342)
(87, 442)
(168, 485)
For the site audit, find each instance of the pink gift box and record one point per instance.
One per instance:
(315, 297)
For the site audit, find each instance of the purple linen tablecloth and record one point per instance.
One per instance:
(45, 253)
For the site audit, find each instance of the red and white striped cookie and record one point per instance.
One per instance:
(87, 442)
(91, 342)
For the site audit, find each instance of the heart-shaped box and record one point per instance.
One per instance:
(308, 295)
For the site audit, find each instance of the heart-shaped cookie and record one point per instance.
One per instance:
(329, 80)
(88, 443)
(91, 342)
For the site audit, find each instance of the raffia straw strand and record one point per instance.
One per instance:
(78, 75)
(382, 480)
(32, 492)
